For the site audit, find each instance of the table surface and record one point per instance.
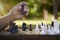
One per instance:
(20, 32)
(27, 35)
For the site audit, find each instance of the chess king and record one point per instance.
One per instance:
(16, 13)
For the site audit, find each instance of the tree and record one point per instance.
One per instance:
(45, 11)
(55, 9)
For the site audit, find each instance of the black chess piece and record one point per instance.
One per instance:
(42, 23)
(52, 24)
(30, 28)
(24, 26)
(13, 28)
(12, 24)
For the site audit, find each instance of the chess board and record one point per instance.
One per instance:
(27, 35)
(20, 32)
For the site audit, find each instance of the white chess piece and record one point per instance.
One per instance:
(37, 30)
(43, 30)
(49, 29)
(52, 31)
(46, 30)
(56, 27)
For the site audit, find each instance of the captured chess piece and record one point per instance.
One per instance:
(24, 26)
(30, 27)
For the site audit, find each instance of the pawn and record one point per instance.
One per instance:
(52, 31)
(37, 30)
(24, 26)
(56, 27)
(43, 30)
(30, 29)
(46, 30)
(49, 29)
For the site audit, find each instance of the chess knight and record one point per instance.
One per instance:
(16, 13)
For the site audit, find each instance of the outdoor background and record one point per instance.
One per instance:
(39, 10)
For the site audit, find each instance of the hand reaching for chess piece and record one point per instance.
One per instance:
(17, 12)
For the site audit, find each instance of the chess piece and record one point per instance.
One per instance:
(30, 29)
(56, 27)
(43, 23)
(13, 28)
(43, 30)
(52, 24)
(46, 29)
(24, 26)
(49, 29)
(52, 31)
(11, 25)
(37, 30)
(53, 19)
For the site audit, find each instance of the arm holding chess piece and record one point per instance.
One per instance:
(16, 13)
